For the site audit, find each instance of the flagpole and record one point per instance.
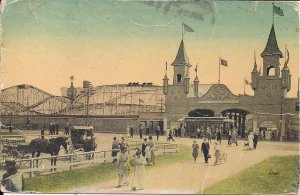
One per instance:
(273, 12)
(219, 70)
(244, 85)
(182, 30)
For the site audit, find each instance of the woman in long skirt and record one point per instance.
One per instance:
(195, 148)
(139, 172)
(250, 140)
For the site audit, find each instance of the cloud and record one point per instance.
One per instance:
(194, 9)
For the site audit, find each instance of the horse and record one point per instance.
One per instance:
(51, 146)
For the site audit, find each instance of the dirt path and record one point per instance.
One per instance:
(187, 177)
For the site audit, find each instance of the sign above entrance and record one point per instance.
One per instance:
(219, 102)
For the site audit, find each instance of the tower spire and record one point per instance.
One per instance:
(272, 46)
(181, 57)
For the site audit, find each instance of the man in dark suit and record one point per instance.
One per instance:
(205, 149)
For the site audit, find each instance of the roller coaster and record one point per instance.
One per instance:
(105, 100)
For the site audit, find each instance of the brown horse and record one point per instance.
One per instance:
(51, 146)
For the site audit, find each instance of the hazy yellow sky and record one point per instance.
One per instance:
(117, 42)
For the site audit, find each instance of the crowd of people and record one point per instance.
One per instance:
(143, 156)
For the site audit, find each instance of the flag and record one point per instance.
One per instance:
(247, 82)
(141, 101)
(187, 28)
(277, 10)
(196, 69)
(223, 62)
(166, 66)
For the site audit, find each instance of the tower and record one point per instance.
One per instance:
(180, 66)
(269, 88)
(176, 93)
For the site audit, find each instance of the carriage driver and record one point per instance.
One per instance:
(12, 180)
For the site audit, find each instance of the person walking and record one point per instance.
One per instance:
(151, 146)
(205, 149)
(144, 145)
(128, 132)
(115, 149)
(255, 140)
(123, 168)
(250, 140)
(67, 129)
(229, 136)
(234, 137)
(217, 152)
(195, 148)
(131, 132)
(208, 134)
(170, 137)
(141, 132)
(157, 131)
(219, 136)
(124, 144)
(198, 133)
(12, 180)
(139, 171)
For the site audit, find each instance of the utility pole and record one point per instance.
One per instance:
(88, 88)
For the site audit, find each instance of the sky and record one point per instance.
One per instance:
(44, 42)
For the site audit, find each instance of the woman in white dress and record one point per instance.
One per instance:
(250, 140)
(139, 171)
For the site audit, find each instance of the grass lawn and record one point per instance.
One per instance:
(60, 182)
(276, 175)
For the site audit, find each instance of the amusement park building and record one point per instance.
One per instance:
(269, 108)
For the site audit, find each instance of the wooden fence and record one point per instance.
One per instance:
(78, 159)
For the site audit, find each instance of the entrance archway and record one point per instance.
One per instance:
(201, 113)
(239, 117)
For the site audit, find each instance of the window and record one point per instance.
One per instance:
(270, 71)
(179, 78)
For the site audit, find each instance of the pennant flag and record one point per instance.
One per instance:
(277, 10)
(187, 28)
(196, 69)
(141, 101)
(247, 82)
(223, 62)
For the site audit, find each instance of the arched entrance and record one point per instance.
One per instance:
(239, 117)
(201, 113)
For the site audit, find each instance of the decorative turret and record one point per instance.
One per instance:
(186, 84)
(196, 86)
(181, 65)
(285, 72)
(254, 75)
(271, 55)
(165, 87)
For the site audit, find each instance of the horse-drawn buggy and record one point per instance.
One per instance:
(82, 139)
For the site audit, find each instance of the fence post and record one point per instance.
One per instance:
(176, 148)
(164, 149)
(31, 167)
(71, 161)
(104, 155)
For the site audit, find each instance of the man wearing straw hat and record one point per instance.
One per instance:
(12, 180)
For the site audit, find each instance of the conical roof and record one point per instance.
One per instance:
(181, 57)
(272, 46)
